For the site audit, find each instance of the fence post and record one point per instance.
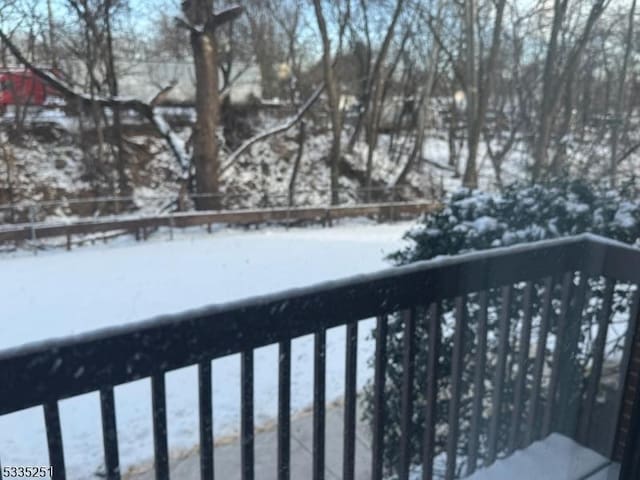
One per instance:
(32, 219)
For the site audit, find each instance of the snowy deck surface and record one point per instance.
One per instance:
(555, 458)
(61, 293)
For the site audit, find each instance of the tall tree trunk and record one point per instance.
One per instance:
(296, 164)
(112, 80)
(375, 95)
(554, 79)
(545, 114)
(205, 140)
(615, 129)
(479, 81)
(560, 155)
(334, 103)
(423, 109)
(470, 177)
(51, 35)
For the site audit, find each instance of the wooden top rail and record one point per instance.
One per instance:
(22, 232)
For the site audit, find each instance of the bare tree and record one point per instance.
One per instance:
(202, 22)
(333, 94)
(268, 54)
(557, 74)
(374, 94)
(479, 79)
(620, 97)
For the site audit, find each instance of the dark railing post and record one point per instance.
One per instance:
(498, 382)
(433, 353)
(206, 420)
(246, 412)
(284, 410)
(54, 440)
(380, 359)
(109, 434)
(319, 404)
(408, 369)
(630, 392)
(569, 375)
(456, 381)
(627, 441)
(598, 360)
(478, 383)
(523, 357)
(159, 407)
(533, 424)
(349, 453)
(561, 333)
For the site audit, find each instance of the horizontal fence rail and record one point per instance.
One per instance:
(494, 306)
(235, 200)
(141, 226)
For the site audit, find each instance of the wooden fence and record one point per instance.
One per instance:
(142, 226)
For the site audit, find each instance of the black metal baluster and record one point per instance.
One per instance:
(456, 378)
(408, 369)
(498, 382)
(349, 453)
(628, 341)
(628, 414)
(246, 422)
(598, 359)
(159, 407)
(570, 384)
(431, 394)
(109, 434)
(523, 365)
(54, 440)
(567, 282)
(538, 367)
(478, 383)
(284, 410)
(377, 446)
(319, 404)
(206, 420)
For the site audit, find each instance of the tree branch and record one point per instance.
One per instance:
(146, 110)
(628, 153)
(282, 128)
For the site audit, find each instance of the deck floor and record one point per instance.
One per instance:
(554, 458)
(227, 454)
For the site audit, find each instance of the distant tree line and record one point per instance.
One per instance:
(548, 80)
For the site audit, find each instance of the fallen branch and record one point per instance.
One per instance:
(226, 91)
(628, 153)
(144, 109)
(438, 165)
(279, 129)
(161, 96)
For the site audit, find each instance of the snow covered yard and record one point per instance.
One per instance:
(58, 293)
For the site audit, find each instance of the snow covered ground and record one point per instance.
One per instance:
(59, 293)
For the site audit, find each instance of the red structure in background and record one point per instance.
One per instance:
(21, 87)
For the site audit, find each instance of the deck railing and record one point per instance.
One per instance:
(526, 299)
